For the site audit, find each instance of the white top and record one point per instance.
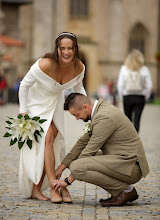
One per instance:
(40, 95)
(146, 82)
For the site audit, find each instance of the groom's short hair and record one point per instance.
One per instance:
(76, 100)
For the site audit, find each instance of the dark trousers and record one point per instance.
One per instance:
(133, 107)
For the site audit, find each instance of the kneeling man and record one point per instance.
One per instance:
(123, 161)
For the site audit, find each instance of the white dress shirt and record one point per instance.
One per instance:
(94, 106)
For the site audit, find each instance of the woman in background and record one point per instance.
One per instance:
(134, 98)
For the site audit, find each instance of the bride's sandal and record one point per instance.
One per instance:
(55, 198)
(65, 195)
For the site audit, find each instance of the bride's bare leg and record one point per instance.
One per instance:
(36, 193)
(49, 161)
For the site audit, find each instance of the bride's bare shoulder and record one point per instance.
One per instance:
(80, 66)
(46, 65)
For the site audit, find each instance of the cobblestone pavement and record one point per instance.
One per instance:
(86, 197)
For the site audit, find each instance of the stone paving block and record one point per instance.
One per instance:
(157, 217)
(75, 218)
(15, 218)
(88, 218)
(62, 215)
(89, 211)
(72, 212)
(50, 217)
(103, 217)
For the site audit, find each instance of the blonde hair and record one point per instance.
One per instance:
(134, 60)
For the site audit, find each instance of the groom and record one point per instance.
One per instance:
(122, 162)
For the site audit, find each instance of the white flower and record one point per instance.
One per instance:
(87, 128)
(24, 129)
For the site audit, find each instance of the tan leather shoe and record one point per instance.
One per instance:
(55, 197)
(65, 195)
(56, 200)
(121, 199)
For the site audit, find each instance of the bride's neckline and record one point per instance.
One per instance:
(54, 79)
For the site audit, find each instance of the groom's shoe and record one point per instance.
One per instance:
(121, 199)
(105, 200)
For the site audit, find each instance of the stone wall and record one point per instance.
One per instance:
(103, 35)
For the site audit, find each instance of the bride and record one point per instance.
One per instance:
(41, 94)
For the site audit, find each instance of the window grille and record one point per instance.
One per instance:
(79, 8)
(138, 38)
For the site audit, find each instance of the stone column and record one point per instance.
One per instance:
(2, 52)
(61, 19)
(2, 28)
(43, 27)
(158, 63)
(115, 30)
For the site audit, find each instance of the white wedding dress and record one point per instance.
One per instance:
(40, 95)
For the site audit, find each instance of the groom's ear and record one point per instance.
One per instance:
(85, 106)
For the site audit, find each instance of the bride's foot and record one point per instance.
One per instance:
(65, 195)
(55, 196)
(38, 195)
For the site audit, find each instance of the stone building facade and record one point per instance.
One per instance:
(106, 30)
(15, 38)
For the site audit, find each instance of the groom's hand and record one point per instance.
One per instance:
(59, 171)
(58, 174)
(56, 184)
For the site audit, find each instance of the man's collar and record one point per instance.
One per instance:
(94, 106)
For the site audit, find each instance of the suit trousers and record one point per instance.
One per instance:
(91, 171)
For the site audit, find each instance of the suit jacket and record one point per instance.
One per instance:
(115, 135)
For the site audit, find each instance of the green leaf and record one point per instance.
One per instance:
(8, 122)
(20, 144)
(42, 129)
(8, 127)
(37, 133)
(36, 118)
(29, 143)
(35, 136)
(10, 118)
(13, 141)
(19, 116)
(26, 117)
(42, 121)
(7, 134)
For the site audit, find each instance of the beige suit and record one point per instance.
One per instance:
(114, 134)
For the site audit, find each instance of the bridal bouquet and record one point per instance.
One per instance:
(24, 130)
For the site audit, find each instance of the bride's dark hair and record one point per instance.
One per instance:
(54, 55)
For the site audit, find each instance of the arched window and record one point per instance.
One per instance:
(79, 8)
(138, 36)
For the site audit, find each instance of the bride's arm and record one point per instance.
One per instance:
(79, 88)
(25, 84)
